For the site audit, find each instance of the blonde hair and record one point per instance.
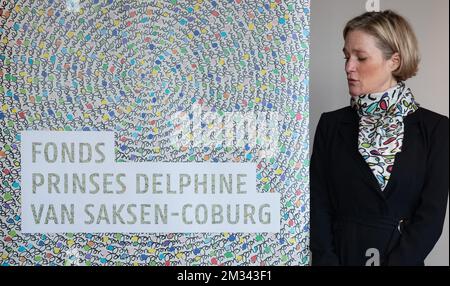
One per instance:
(394, 35)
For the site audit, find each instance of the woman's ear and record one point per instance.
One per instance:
(395, 61)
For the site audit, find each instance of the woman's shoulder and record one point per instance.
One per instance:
(344, 113)
(435, 124)
(431, 116)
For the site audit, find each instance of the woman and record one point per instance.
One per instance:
(379, 168)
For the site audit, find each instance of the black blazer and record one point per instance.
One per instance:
(349, 212)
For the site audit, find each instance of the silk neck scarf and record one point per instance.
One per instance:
(381, 127)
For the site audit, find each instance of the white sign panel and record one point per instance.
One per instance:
(71, 183)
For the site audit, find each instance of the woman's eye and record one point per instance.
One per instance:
(362, 59)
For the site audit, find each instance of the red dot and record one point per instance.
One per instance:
(214, 261)
(215, 13)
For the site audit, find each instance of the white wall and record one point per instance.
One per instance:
(430, 20)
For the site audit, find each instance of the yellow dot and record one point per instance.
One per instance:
(179, 255)
(56, 250)
(264, 180)
(221, 62)
(273, 5)
(4, 107)
(70, 242)
(134, 239)
(263, 72)
(17, 8)
(269, 26)
(104, 101)
(151, 250)
(257, 99)
(116, 23)
(251, 26)
(105, 117)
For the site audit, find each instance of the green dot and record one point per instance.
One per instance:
(7, 196)
(229, 254)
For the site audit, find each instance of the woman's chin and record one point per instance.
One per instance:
(354, 92)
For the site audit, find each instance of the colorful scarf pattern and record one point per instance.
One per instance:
(381, 127)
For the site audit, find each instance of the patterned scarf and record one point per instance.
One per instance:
(381, 128)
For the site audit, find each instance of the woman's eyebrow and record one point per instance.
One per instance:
(354, 50)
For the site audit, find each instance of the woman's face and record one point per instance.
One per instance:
(366, 68)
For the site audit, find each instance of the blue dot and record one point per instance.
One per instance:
(1, 115)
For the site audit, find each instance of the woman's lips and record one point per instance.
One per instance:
(352, 81)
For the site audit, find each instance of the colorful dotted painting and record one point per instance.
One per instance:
(128, 67)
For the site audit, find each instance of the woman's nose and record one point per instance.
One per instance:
(350, 66)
